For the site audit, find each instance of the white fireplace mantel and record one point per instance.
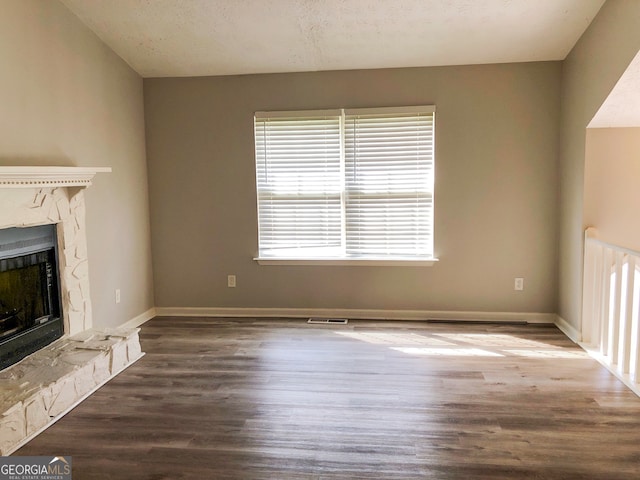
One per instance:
(40, 195)
(43, 176)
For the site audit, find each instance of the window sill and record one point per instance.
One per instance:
(369, 262)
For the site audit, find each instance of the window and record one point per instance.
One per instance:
(341, 185)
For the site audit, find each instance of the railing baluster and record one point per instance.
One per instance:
(605, 296)
(614, 330)
(587, 290)
(625, 343)
(597, 295)
(636, 316)
(589, 312)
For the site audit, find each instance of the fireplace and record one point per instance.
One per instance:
(30, 308)
(45, 293)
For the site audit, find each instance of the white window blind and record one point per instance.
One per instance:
(298, 166)
(346, 184)
(389, 184)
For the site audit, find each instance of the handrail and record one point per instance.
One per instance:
(597, 241)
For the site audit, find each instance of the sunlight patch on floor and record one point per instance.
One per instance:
(569, 354)
(395, 339)
(464, 344)
(447, 352)
(492, 340)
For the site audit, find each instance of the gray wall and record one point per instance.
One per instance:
(67, 99)
(496, 189)
(588, 75)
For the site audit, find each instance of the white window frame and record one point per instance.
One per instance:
(343, 259)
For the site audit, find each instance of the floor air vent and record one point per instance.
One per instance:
(329, 321)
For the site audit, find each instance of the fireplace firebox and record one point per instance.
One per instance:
(30, 307)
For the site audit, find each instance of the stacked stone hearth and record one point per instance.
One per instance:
(45, 385)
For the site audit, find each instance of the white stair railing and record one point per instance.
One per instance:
(611, 307)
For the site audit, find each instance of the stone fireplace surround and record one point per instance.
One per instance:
(38, 390)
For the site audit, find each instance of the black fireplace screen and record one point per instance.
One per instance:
(30, 314)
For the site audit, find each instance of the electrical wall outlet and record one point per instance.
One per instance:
(231, 281)
(117, 295)
(518, 284)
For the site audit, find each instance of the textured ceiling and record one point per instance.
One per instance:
(622, 106)
(161, 38)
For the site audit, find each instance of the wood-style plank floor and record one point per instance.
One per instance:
(280, 399)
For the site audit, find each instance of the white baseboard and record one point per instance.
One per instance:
(140, 319)
(569, 330)
(368, 314)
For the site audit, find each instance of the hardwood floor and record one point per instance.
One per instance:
(280, 399)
